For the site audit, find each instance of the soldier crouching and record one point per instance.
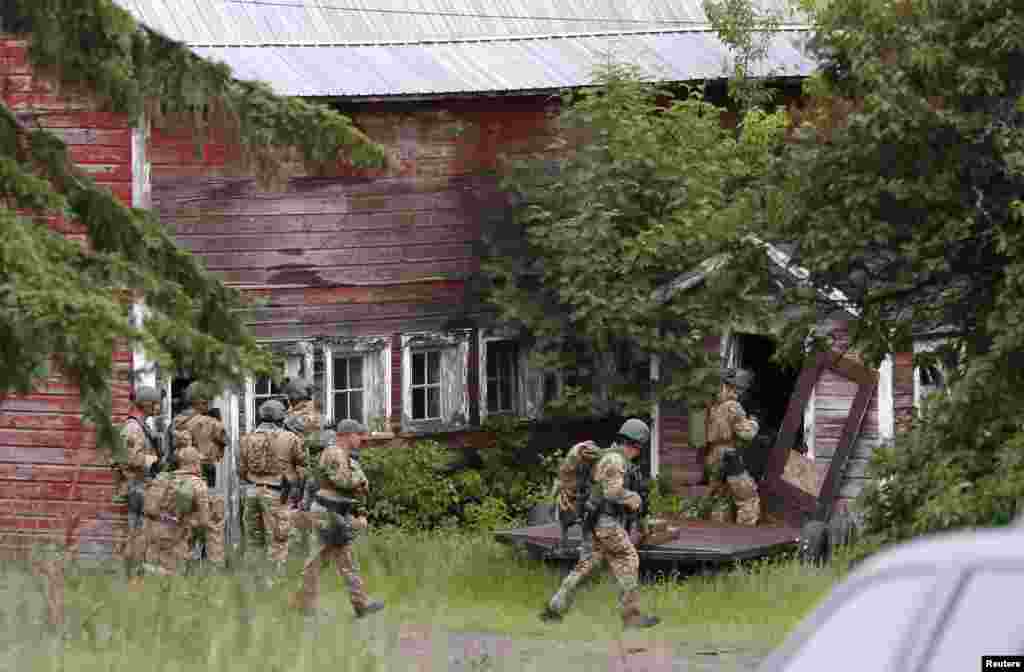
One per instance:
(177, 507)
(338, 518)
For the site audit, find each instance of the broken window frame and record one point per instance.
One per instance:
(374, 353)
(454, 377)
(531, 384)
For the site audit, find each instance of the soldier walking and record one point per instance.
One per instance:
(140, 456)
(604, 533)
(305, 421)
(209, 437)
(177, 508)
(271, 463)
(339, 518)
(726, 421)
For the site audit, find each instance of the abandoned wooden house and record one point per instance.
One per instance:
(368, 280)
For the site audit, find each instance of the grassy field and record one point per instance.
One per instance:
(431, 584)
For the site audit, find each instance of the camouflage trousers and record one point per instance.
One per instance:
(267, 525)
(611, 543)
(301, 531)
(322, 556)
(741, 488)
(168, 547)
(133, 549)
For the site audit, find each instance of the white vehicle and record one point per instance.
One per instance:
(936, 604)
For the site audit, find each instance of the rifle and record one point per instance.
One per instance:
(286, 488)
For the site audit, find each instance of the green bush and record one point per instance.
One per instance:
(417, 488)
(947, 472)
(408, 486)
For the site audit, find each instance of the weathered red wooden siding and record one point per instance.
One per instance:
(903, 389)
(675, 454)
(44, 444)
(833, 398)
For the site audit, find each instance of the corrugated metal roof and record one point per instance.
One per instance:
(366, 48)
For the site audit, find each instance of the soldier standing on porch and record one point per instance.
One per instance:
(140, 454)
(726, 421)
(210, 438)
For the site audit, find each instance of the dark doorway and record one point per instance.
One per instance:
(768, 397)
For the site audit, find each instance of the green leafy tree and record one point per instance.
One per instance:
(67, 304)
(903, 189)
(642, 185)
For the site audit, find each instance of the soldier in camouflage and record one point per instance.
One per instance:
(726, 421)
(606, 538)
(133, 468)
(580, 457)
(209, 437)
(339, 518)
(304, 420)
(177, 508)
(272, 462)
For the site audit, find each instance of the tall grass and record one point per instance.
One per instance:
(432, 585)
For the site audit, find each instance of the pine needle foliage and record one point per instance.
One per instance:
(66, 303)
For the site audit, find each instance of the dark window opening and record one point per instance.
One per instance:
(502, 376)
(348, 388)
(426, 385)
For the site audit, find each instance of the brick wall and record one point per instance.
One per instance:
(49, 463)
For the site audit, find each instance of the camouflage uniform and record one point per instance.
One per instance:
(140, 455)
(610, 542)
(182, 510)
(339, 476)
(567, 485)
(726, 420)
(267, 518)
(305, 421)
(209, 437)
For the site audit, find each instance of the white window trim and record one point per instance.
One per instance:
(530, 383)
(367, 348)
(925, 345)
(298, 359)
(454, 383)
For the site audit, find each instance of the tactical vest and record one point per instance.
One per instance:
(259, 454)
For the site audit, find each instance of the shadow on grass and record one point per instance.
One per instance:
(435, 586)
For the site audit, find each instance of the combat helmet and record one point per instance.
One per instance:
(146, 394)
(197, 391)
(635, 429)
(741, 379)
(299, 389)
(272, 410)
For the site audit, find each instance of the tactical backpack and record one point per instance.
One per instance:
(259, 455)
(158, 495)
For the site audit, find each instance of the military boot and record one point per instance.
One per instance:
(549, 615)
(632, 616)
(372, 607)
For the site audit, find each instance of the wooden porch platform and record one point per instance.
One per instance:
(694, 541)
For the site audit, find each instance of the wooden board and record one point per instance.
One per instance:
(696, 541)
